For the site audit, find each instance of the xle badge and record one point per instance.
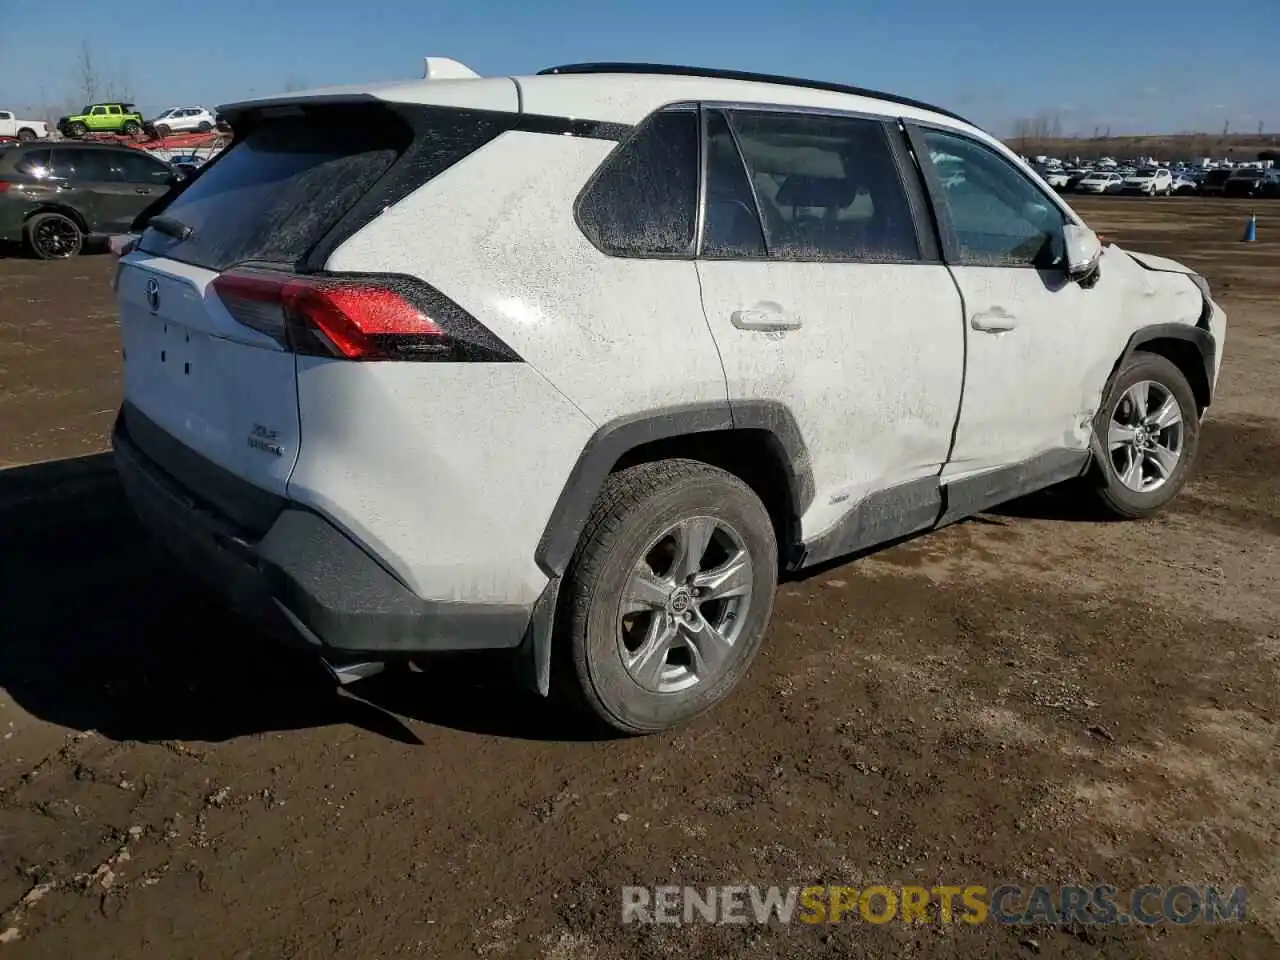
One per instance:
(264, 439)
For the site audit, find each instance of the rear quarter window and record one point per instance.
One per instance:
(643, 201)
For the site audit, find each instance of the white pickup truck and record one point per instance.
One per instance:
(11, 126)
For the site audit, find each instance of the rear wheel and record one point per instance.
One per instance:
(53, 236)
(1149, 426)
(668, 596)
(26, 133)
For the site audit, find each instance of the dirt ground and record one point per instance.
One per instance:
(1031, 697)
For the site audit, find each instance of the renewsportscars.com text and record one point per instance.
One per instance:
(969, 903)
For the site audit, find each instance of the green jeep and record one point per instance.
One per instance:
(102, 118)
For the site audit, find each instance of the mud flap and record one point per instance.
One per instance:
(533, 657)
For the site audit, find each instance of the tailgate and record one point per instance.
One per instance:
(220, 388)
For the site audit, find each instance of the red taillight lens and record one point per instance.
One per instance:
(4, 185)
(370, 317)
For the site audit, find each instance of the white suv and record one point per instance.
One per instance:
(184, 120)
(573, 365)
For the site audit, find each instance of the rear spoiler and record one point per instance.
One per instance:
(442, 68)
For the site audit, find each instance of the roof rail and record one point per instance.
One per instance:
(442, 68)
(671, 70)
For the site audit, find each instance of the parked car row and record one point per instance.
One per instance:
(1165, 182)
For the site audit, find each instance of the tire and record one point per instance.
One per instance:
(162, 130)
(641, 518)
(77, 129)
(205, 126)
(131, 128)
(26, 133)
(1114, 480)
(53, 236)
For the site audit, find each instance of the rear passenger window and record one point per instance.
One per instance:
(643, 200)
(828, 188)
(35, 163)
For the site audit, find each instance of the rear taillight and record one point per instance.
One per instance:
(4, 185)
(358, 317)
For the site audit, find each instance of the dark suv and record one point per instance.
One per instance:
(53, 196)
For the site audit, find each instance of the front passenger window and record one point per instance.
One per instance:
(998, 216)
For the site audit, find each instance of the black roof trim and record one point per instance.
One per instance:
(665, 69)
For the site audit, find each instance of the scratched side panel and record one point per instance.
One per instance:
(1036, 387)
(872, 374)
(447, 472)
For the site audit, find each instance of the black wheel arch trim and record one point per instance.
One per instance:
(71, 213)
(616, 439)
(1196, 335)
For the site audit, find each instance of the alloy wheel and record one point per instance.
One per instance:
(1145, 436)
(684, 605)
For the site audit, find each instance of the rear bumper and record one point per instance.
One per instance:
(303, 579)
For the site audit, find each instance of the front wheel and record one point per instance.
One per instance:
(666, 601)
(53, 236)
(205, 126)
(132, 128)
(1149, 428)
(77, 129)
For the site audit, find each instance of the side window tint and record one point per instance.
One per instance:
(62, 165)
(136, 168)
(998, 215)
(732, 223)
(35, 164)
(828, 188)
(92, 165)
(644, 199)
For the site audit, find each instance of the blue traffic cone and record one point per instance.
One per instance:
(1251, 229)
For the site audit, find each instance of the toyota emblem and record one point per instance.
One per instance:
(153, 294)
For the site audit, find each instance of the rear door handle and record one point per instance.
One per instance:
(995, 320)
(766, 315)
(141, 189)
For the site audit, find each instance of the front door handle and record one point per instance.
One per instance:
(995, 320)
(141, 189)
(766, 315)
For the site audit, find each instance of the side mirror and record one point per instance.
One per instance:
(1084, 253)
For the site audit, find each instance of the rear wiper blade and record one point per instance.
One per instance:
(171, 226)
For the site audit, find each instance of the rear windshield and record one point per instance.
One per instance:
(274, 194)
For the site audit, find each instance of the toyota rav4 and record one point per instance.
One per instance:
(575, 365)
